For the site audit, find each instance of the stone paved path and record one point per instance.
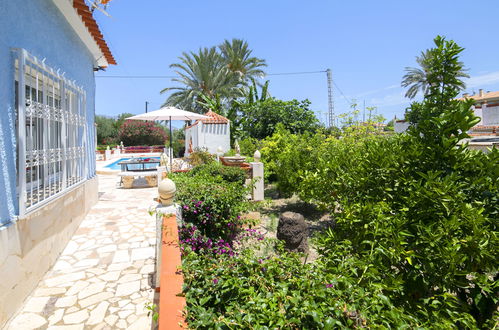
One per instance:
(102, 279)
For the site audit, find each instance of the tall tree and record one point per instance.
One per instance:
(442, 80)
(200, 73)
(121, 119)
(221, 72)
(260, 119)
(238, 59)
(106, 129)
(418, 79)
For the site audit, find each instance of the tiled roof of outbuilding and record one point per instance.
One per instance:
(214, 118)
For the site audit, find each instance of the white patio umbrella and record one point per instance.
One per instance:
(168, 113)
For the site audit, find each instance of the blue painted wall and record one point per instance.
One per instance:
(40, 28)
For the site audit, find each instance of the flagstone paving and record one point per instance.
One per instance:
(102, 278)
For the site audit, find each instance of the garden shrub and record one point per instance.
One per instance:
(415, 239)
(104, 147)
(200, 156)
(244, 291)
(226, 173)
(418, 212)
(210, 203)
(249, 145)
(259, 119)
(287, 156)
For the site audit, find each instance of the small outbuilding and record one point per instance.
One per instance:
(208, 133)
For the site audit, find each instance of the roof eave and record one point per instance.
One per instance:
(71, 15)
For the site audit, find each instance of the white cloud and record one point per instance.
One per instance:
(483, 80)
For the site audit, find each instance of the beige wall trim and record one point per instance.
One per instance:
(30, 246)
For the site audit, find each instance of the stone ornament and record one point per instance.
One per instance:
(236, 147)
(257, 156)
(166, 190)
(293, 230)
(163, 160)
(191, 149)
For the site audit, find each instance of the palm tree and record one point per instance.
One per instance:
(238, 59)
(417, 78)
(199, 73)
(223, 74)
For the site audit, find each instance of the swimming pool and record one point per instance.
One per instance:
(114, 165)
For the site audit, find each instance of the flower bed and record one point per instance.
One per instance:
(143, 149)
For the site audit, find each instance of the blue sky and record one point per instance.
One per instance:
(367, 45)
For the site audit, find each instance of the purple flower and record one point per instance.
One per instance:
(215, 281)
(329, 285)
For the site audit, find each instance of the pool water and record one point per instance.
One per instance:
(114, 165)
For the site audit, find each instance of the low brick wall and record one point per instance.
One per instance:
(171, 303)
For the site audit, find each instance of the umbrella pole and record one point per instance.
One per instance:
(171, 148)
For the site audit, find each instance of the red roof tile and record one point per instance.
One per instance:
(93, 28)
(214, 118)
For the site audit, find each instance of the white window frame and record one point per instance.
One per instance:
(51, 132)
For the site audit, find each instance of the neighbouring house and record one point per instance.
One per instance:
(208, 133)
(400, 125)
(486, 107)
(49, 50)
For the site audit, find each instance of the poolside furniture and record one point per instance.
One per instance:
(134, 168)
(138, 165)
(128, 177)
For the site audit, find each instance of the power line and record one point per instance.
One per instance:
(342, 94)
(331, 114)
(162, 77)
(293, 73)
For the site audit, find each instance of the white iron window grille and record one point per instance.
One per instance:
(51, 132)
